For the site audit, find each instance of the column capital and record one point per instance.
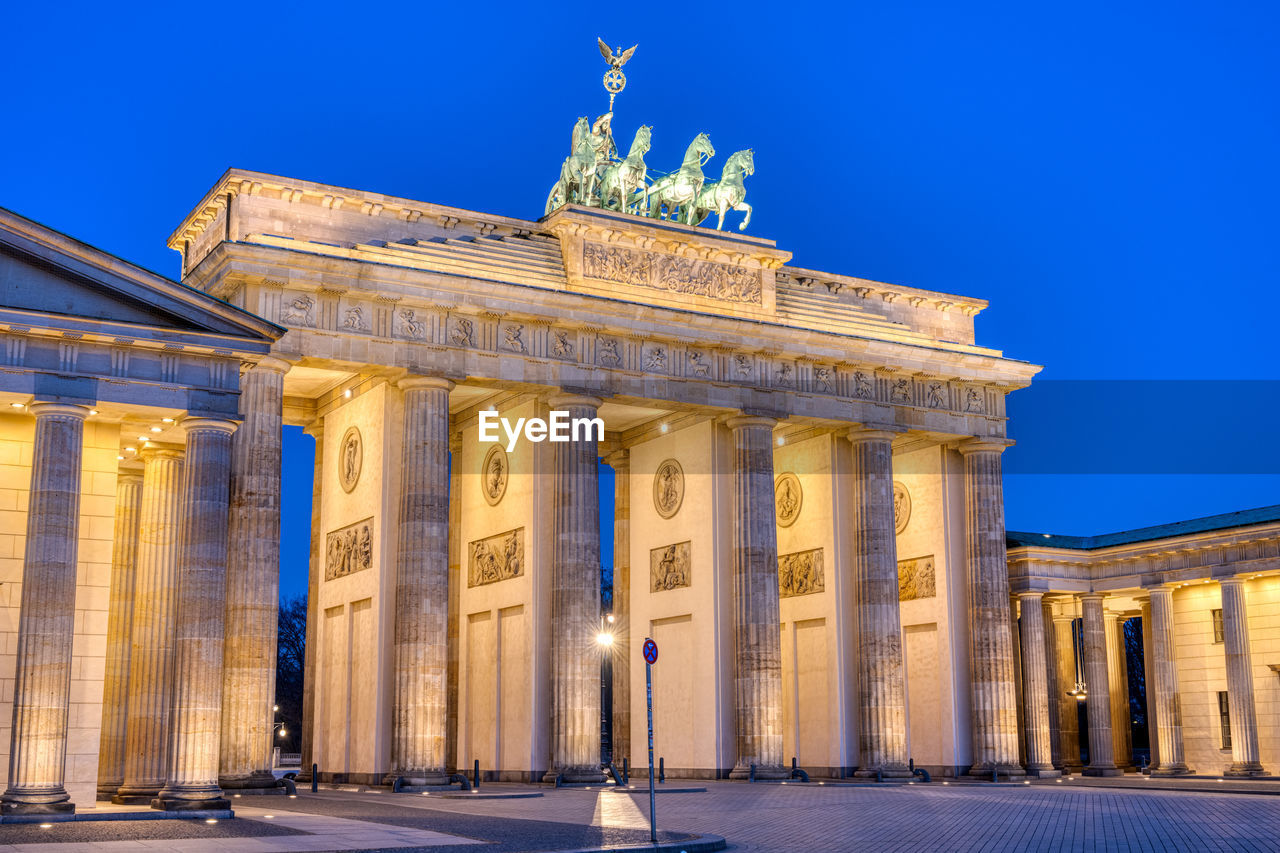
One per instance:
(566, 399)
(44, 409)
(1092, 596)
(860, 434)
(190, 425)
(984, 445)
(162, 450)
(417, 382)
(741, 421)
(315, 429)
(1233, 580)
(622, 456)
(275, 365)
(1032, 594)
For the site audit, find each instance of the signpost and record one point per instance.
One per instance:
(650, 658)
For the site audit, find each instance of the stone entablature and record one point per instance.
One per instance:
(1206, 556)
(351, 298)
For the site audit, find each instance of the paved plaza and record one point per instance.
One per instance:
(954, 817)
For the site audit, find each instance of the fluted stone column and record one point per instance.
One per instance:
(1117, 673)
(46, 623)
(201, 614)
(1153, 739)
(312, 652)
(1162, 686)
(994, 699)
(422, 586)
(575, 602)
(115, 684)
(620, 461)
(1068, 706)
(882, 694)
(1097, 682)
(1051, 683)
(1245, 756)
(146, 760)
(455, 596)
(1016, 636)
(757, 622)
(1035, 673)
(253, 582)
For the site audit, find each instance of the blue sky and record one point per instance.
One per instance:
(1104, 174)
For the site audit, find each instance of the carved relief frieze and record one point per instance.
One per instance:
(494, 474)
(824, 379)
(354, 319)
(350, 459)
(900, 391)
(801, 573)
(973, 402)
(462, 332)
(901, 507)
(655, 358)
(699, 364)
(636, 268)
(669, 567)
(609, 352)
(916, 579)
(496, 558)
(297, 311)
(561, 345)
(788, 498)
(348, 550)
(409, 326)
(668, 488)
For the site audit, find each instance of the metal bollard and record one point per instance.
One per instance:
(315, 778)
(995, 774)
(476, 784)
(751, 776)
(911, 765)
(626, 771)
(662, 769)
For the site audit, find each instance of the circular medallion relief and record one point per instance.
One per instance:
(350, 459)
(901, 506)
(493, 476)
(787, 497)
(668, 488)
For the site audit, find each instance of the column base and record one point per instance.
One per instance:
(887, 771)
(764, 772)
(10, 807)
(1103, 771)
(417, 778)
(1246, 769)
(1172, 770)
(1015, 772)
(1044, 772)
(173, 804)
(574, 776)
(257, 779)
(136, 795)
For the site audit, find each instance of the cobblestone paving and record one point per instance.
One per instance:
(753, 817)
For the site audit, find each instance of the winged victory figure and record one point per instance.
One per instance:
(615, 60)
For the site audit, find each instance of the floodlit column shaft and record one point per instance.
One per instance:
(757, 627)
(1035, 673)
(994, 699)
(316, 431)
(115, 687)
(1117, 672)
(1068, 705)
(882, 695)
(1098, 684)
(1245, 757)
(201, 614)
(1054, 690)
(1163, 685)
(146, 759)
(422, 585)
(1148, 666)
(455, 596)
(46, 624)
(621, 464)
(575, 603)
(253, 582)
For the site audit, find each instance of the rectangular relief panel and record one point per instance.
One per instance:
(916, 579)
(669, 567)
(801, 573)
(620, 265)
(496, 558)
(348, 550)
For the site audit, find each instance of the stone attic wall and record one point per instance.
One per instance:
(1202, 671)
(97, 519)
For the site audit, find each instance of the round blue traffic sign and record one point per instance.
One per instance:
(650, 651)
